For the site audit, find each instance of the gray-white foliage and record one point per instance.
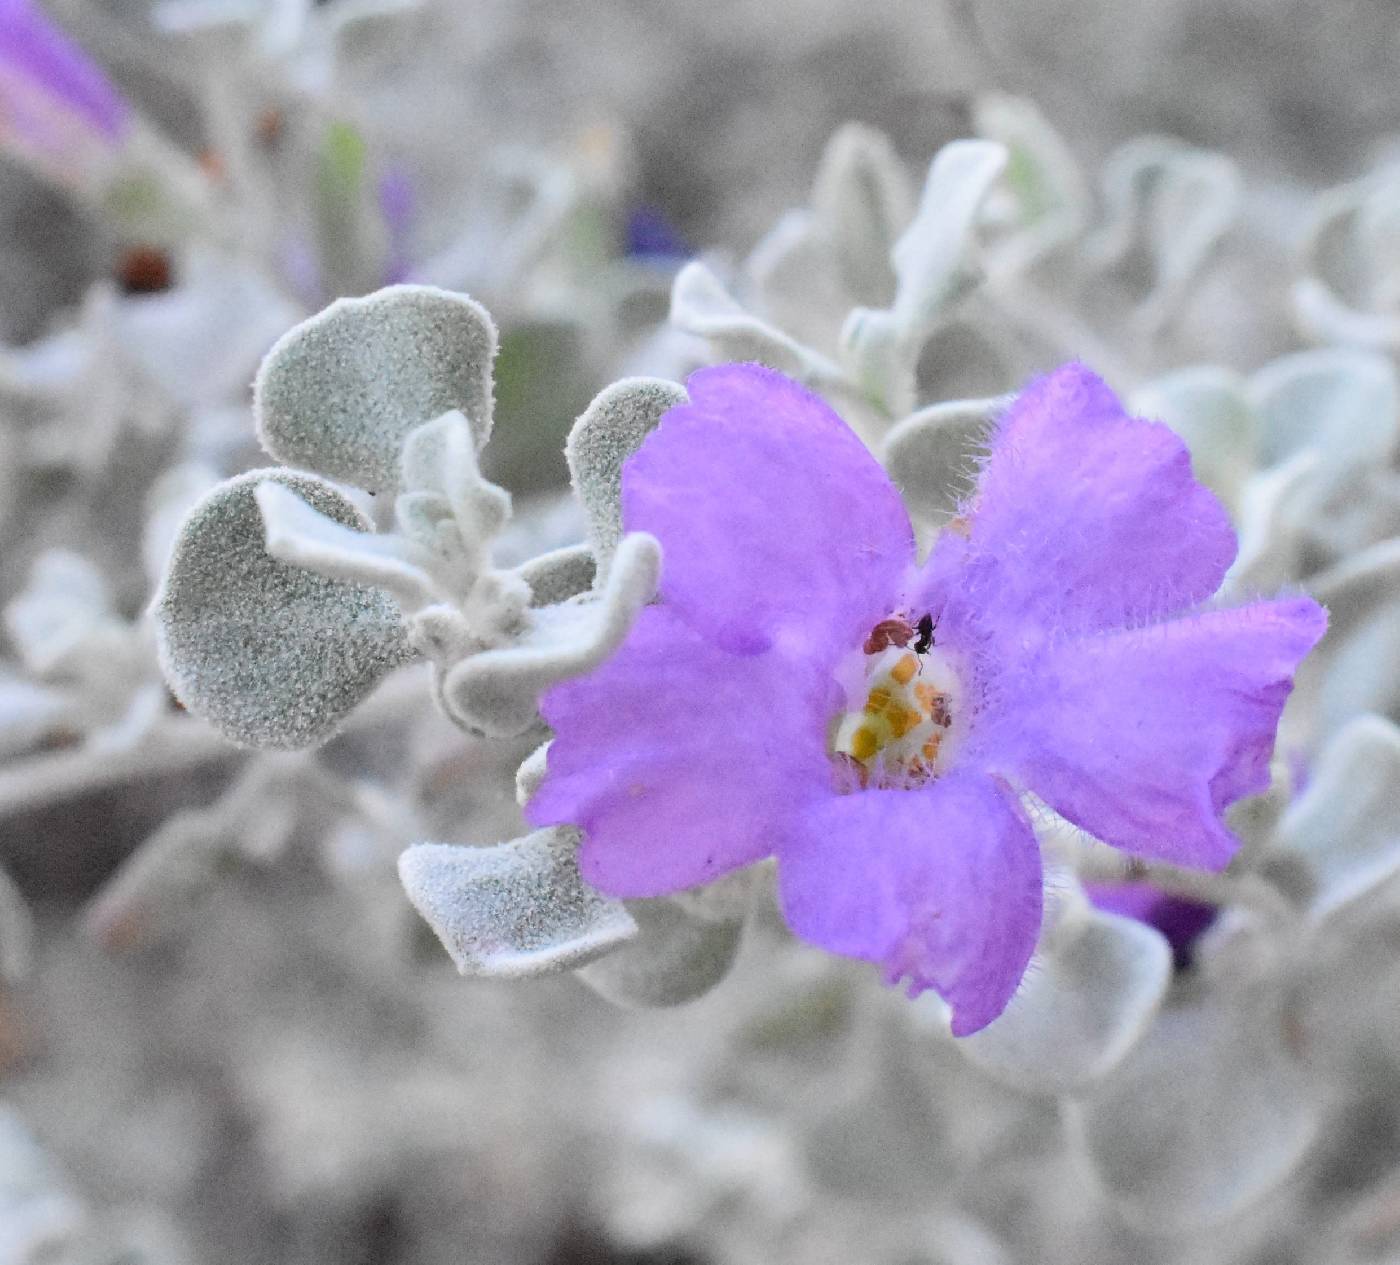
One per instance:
(679, 953)
(610, 430)
(514, 910)
(338, 394)
(272, 654)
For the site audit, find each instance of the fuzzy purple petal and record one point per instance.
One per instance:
(34, 49)
(777, 525)
(941, 886)
(678, 760)
(1083, 519)
(1144, 737)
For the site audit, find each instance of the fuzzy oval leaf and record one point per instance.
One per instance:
(610, 430)
(1089, 996)
(861, 202)
(933, 259)
(1209, 1113)
(1340, 402)
(1044, 181)
(339, 393)
(932, 455)
(675, 958)
(1362, 671)
(1346, 824)
(515, 910)
(272, 655)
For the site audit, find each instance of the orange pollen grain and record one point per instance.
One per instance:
(878, 700)
(864, 743)
(904, 670)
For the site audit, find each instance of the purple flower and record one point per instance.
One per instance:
(650, 235)
(805, 689)
(1181, 922)
(57, 108)
(398, 206)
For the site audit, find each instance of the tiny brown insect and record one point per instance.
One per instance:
(893, 631)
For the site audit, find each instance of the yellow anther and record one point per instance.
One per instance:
(930, 748)
(902, 720)
(878, 700)
(925, 693)
(864, 743)
(904, 670)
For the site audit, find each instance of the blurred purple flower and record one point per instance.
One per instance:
(57, 108)
(805, 689)
(398, 204)
(1181, 922)
(650, 235)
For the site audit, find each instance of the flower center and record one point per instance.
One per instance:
(902, 697)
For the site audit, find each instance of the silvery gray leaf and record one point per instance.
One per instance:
(65, 603)
(933, 259)
(516, 910)
(1043, 179)
(1209, 408)
(1346, 823)
(339, 393)
(1271, 519)
(675, 957)
(40, 1220)
(531, 773)
(272, 655)
(1209, 1112)
(440, 458)
(795, 280)
(932, 455)
(1342, 404)
(1178, 201)
(557, 576)
(701, 305)
(862, 201)
(497, 691)
(1094, 986)
(934, 265)
(1358, 669)
(300, 536)
(159, 884)
(30, 712)
(610, 430)
(1337, 235)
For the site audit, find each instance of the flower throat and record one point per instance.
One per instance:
(901, 699)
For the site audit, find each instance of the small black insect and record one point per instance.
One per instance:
(925, 628)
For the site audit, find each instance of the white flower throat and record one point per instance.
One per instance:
(902, 703)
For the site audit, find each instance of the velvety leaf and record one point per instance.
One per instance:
(271, 654)
(515, 910)
(339, 393)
